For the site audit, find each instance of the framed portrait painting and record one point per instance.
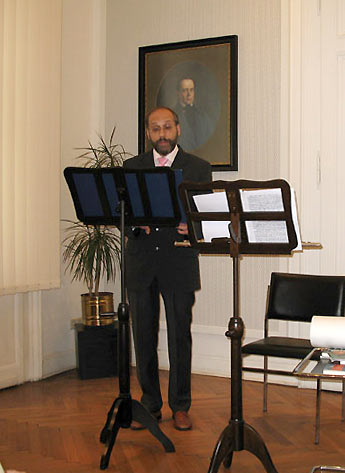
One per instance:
(198, 80)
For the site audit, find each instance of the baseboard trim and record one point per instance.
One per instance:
(58, 362)
(211, 356)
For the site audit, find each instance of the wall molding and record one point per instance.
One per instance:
(58, 362)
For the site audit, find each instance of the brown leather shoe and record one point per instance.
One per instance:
(182, 421)
(135, 425)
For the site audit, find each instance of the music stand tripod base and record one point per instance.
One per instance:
(128, 409)
(238, 435)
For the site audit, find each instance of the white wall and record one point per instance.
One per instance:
(82, 105)
(99, 89)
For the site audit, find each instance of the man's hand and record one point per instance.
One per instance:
(146, 229)
(182, 229)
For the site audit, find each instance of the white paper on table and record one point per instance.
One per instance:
(327, 331)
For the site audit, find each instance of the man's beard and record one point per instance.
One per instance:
(164, 146)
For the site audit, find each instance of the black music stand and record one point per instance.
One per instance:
(125, 197)
(238, 435)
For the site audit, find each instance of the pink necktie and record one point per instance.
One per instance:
(162, 161)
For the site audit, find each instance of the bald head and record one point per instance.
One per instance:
(161, 110)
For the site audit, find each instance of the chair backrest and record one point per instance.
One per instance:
(300, 296)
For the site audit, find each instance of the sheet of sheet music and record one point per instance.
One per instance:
(253, 200)
(216, 202)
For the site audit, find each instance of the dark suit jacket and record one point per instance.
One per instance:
(196, 127)
(154, 255)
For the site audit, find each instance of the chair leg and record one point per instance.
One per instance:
(265, 384)
(317, 416)
(343, 401)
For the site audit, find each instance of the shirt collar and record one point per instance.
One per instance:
(170, 157)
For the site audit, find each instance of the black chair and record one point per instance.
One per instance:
(296, 297)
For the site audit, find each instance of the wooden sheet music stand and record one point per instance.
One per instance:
(238, 435)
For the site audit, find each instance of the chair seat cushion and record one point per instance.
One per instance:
(283, 347)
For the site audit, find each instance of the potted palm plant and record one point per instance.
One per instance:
(92, 252)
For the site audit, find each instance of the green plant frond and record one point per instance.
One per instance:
(112, 134)
(79, 261)
(104, 154)
(92, 252)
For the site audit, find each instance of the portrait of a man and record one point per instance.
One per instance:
(196, 125)
(191, 90)
(196, 79)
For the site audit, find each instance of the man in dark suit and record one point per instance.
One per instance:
(155, 266)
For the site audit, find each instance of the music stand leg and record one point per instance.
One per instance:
(122, 416)
(142, 415)
(124, 409)
(238, 435)
(121, 419)
(252, 442)
(128, 410)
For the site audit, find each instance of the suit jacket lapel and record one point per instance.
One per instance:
(179, 160)
(147, 160)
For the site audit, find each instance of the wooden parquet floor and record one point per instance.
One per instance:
(53, 426)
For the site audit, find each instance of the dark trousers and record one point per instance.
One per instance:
(144, 307)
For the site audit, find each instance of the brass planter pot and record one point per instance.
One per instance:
(94, 306)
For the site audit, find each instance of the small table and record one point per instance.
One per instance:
(96, 350)
(326, 468)
(305, 369)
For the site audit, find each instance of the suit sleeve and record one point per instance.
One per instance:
(203, 171)
(129, 163)
(207, 173)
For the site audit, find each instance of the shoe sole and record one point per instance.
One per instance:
(141, 427)
(183, 428)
